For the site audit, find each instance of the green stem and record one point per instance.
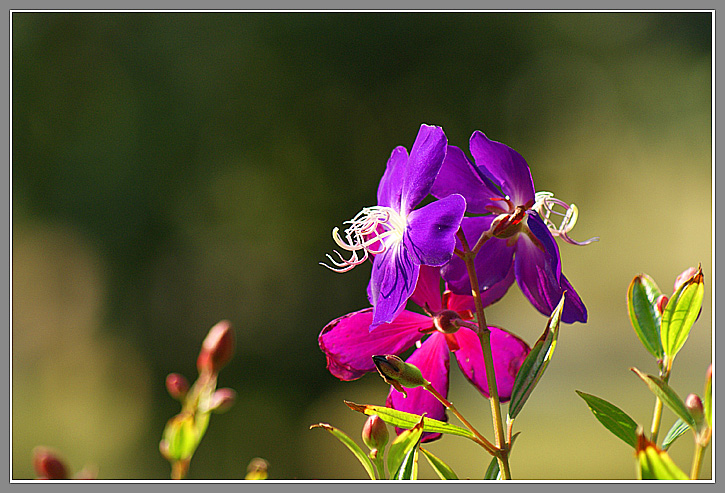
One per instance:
(484, 335)
(697, 460)
(379, 466)
(657, 414)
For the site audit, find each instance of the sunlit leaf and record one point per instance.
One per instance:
(668, 397)
(442, 469)
(643, 313)
(680, 314)
(535, 363)
(401, 454)
(613, 418)
(678, 429)
(351, 445)
(408, 420)
(655, 463)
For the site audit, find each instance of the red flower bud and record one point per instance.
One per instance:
(222, 400)
(685, 276)
(694, 405)
(177, 386)
(375, 433)
(48, 465)
(217, 348)
(661, 303)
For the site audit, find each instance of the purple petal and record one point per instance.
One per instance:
(391, 184)
(459, 175)
(493, 263)
(427, 292)
(538, 273)
(349, 345)
(431, 232)
(423, 166)
(432, 359)
(393, 280)
(508, 352)
(505, 166)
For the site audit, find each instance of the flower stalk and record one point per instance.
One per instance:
(484, 335)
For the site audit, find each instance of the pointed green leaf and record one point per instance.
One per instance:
(442, 469)
(351, 445)
(613, 418)
(400, 462)
(680, 314)
(408, 420)
(408, 470)
(678, 429)
(643, 313)
(668, 397)
(493, 472)
(535, 363)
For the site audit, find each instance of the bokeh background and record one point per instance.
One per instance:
(170, 170)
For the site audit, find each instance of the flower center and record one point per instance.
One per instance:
(544, 204)
(371, 232)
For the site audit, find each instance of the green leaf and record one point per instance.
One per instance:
(442, 469)
(655, 463)
(643, 313)
(493, 472)
(400, 460)
(668, 397)
(613, 418)
(408, 420)
(678, 429)
(409, 468)
(535, 363)
(181, 436)
(680, 313)
(707, 397)
(351, 445)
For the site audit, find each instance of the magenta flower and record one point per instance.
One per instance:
(349, 347)
(400, 238)
(520, 221)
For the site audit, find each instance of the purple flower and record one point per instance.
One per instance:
(400, 238)
(349, 347)
(520, 222)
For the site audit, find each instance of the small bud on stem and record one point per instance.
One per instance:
(375, 433)
(177, 386)
(48, 465)
(398, 373)
(217, 348)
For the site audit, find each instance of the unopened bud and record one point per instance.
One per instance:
(222, 400)
(48, 465)
(398, 373)
(375, 433)
(177, 386)
(661, 303)
(217, 348)
(447, 321)
(257, 469)
(685, 276)
(507, 225)
(694, 405)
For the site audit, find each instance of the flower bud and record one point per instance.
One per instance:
(257, 469)
(375, 433)
(222, 400)
(686, 275)
(447, 321)
(217, 348)
(48, 465)
(177, 386)
(398, 373)
(507, 225)
(661, 303)
(694, 405)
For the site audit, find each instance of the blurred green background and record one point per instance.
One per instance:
(174, 169)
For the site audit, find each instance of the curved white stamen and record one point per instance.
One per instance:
(371, 226)
(544, 203)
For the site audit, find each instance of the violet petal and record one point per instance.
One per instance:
(393, 280)
(431, 232)
(391, 184)
(426, 157)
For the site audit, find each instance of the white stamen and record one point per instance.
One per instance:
(544, 204)
(370, 226)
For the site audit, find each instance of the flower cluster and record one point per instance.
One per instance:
(512, 231)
